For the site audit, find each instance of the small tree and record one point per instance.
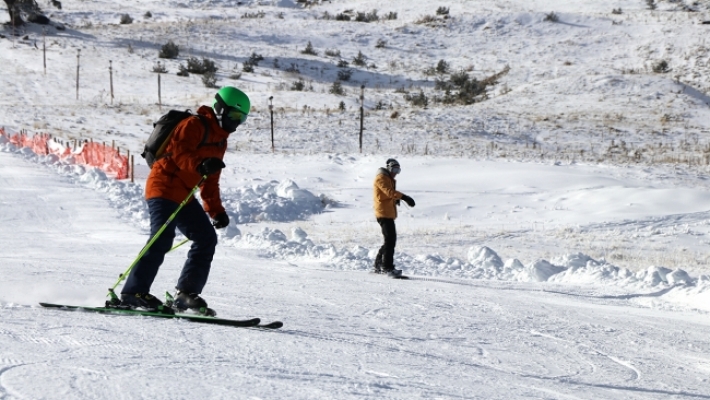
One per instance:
(126, 19)
(345, 74)
(169, 50)
(298, 85)
(310, 50)
(360, 60)
(442, 67)
(337, 88)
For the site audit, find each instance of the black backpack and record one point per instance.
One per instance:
(162, 131)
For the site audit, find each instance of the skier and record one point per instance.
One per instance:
(171, 179)
(386, 199)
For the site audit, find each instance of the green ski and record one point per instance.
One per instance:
(243, 323)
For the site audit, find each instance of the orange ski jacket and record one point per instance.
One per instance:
(385, 195)
(173, 176)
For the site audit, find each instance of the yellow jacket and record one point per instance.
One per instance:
(385, 195)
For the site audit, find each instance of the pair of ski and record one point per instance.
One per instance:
(240, 323)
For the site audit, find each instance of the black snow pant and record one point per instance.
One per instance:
(194, 223)
(385, 257)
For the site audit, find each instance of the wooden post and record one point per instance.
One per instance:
(271, 111)
(110, 74)
(78, 54)
(160, 101)
(44, 49)
(132, 168)
(362, 112)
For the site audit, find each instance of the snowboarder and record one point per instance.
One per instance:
(188, 157)
(387, 199)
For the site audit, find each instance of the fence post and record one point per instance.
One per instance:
(271, 111)
(78, 54)
(133, 167)
(110, 74)
(44, 49)
(362, 112)
(160, 101)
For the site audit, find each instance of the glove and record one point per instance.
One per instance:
(220, 220)
(209, 166)
(408, 200)
(396, 202)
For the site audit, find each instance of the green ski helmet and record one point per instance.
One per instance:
(233, 106)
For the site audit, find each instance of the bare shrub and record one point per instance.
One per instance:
(342, 17)
(182, 71)
(345, 74)
(332, 53)
(381, 44)
(169, 50)
(427, 19)
(661, 67)
(552, 17)
(419, 99)
(126, 19)
(209, 79)
(442, 11)
(255, 58)
(197, 66)
(158, 67)
(298, 85)
(258, 14)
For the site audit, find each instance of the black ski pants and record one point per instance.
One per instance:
(194, 223)
(386, 253)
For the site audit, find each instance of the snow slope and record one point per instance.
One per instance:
(548, 259)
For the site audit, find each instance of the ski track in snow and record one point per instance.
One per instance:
(470, 324)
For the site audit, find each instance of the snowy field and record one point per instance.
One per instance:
(548, 261)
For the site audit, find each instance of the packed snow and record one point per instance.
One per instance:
(546, 259)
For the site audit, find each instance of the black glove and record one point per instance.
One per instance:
(408, 200)
(220, 220)
(396, 202)
(210, 165)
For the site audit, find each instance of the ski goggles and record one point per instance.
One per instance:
(236, 115)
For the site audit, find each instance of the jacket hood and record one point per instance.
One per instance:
(383, 171)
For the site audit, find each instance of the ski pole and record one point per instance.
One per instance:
(113, 299)
(178, 245)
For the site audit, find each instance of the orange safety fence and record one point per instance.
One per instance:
(106, 158)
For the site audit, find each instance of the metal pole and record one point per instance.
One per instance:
(78, 54)
(362, 112)
(160, 101)
(271, 111)
(110, 74)
(44, 49)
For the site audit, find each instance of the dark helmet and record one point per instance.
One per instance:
(393, 166)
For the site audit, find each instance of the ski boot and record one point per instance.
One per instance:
(145, 301)
(189, 301)
(378, 265)
(393, 272)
